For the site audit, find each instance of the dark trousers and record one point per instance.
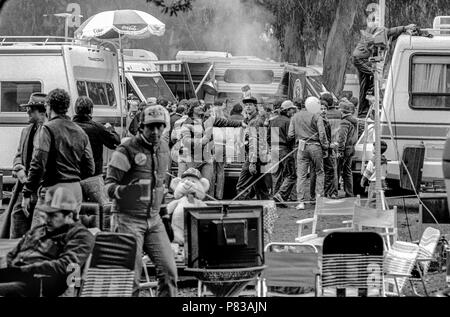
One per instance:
(285, 177)
(330, 183)
(260, 188)
(366, 83)
(345, 170)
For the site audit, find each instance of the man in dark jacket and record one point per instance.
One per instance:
(135, 180)
(20, 219)
(361, 56)
(98, 134)
(62, 153)
(285, 176)
(347, 138)
(53, 249)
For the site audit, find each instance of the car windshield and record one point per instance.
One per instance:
(153, 87)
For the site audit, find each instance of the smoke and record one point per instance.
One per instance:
(236, 26)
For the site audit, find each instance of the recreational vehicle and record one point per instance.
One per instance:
(416, 104)
(41, 64)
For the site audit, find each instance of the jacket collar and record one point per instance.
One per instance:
(252, 117)
(82, 118)
(60, 116)
(144, 142)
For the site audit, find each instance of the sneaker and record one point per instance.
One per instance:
(301, 206)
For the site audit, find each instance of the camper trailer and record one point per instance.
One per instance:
(41, 64)
(416, 104)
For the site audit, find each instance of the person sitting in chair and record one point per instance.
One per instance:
(52, 249)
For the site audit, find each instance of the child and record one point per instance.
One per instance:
(370, 175)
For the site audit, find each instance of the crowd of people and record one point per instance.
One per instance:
(291, 149)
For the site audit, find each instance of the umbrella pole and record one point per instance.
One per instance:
(123, 86)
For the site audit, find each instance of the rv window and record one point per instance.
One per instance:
(15, 93)
(102, 94)
(430, 82)
(153, 87)
(248, 76)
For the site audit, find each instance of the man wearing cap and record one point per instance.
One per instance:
(18, 220)
(52, 249)
(135, 180)
(255, 154)
(285, 176)
(62, 153)
(347, 138)
(308, 129)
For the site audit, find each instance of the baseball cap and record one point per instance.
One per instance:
(346, 106)
(252, 100)
(154, 114)
(59, 200)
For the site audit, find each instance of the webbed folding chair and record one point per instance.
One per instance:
(398, 264)
(427, 247)
(352, 265)
(292, 270)
(111, 270)
(326, 208)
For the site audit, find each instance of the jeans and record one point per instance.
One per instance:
(331, 185)
(285, 177)
(310, 159)
(366, 82)
(259, 188)
(219, 182)
(345, 170)
(151, 238)
(206, 169)
(93, 189)
(39, 215)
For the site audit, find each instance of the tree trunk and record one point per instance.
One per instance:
(338, 50)
(294, 48)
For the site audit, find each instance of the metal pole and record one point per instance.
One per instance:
(122, 89)
(66, 28)
(204, 79)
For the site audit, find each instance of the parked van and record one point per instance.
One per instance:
(41, 64)
(416, 103)
(142, 76)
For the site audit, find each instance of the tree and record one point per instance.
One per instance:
(175, 7)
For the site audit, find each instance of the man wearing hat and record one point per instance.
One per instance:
(135, 180)
(52, 249)
(285, 176)
(20, 217)
(256, 156)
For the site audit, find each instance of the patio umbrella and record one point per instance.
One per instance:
(115, 24)
(109, 25)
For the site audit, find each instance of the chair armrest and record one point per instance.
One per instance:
(347, 222)
(396, 275)
(41, 276)
(306, 238)
(305, 221)
(425, 259)
(346, 229)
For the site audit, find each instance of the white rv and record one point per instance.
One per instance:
(40, 64)
(416, 104)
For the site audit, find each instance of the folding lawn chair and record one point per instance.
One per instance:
(398, 264)
(111, 270)
(384, 222)
(325, 208)
(427, 247)
(352, 265)
(292, 270)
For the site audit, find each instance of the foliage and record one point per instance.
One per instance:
(174, 7)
